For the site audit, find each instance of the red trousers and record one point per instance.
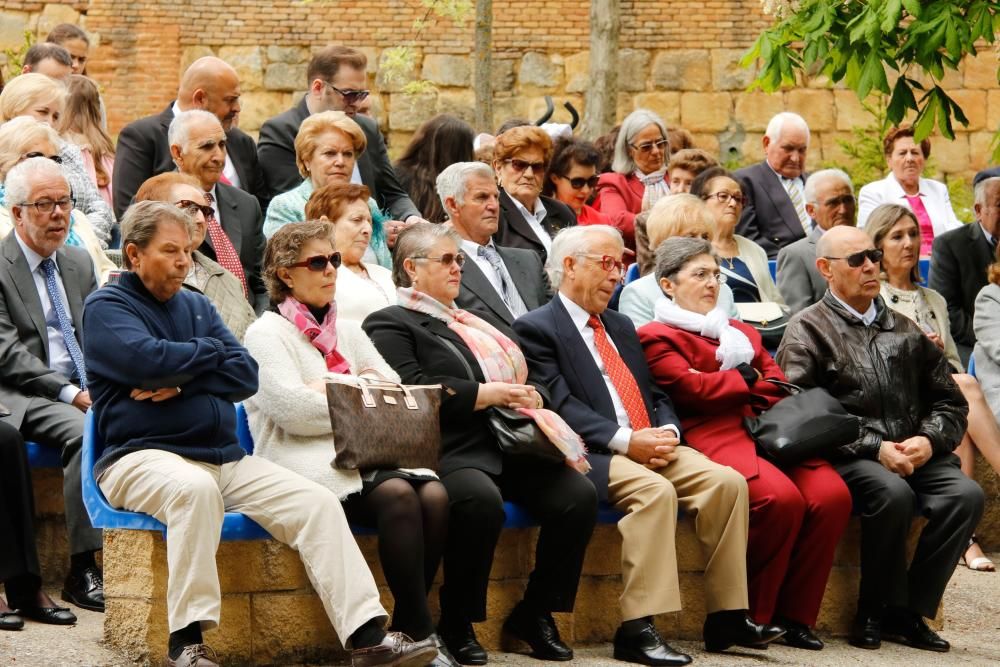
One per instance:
(797, 516)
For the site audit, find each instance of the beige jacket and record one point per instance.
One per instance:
(225, 292)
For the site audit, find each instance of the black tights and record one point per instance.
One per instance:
(412, 522)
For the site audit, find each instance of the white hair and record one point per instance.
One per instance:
(574, 241)
(979, 191)
(633, 124)
(453, 181)
(779, 121)
(823, 175)
(21, 177)
(180, 127)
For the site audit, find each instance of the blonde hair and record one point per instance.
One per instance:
(15, 137)
(320, 123)
(678, 215)
(27, 90)
(81, 122)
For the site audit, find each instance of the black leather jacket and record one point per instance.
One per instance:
(889, 374)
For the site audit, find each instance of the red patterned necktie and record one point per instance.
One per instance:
(621, 377)
(225, 253)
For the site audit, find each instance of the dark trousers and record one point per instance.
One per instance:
(887, 503)
(564, 503)
(19, 568)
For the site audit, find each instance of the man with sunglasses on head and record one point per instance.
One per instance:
(883, 369)
(337, 81)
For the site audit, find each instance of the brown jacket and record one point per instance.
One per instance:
(889, 374)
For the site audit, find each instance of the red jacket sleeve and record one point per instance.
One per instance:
(615, 200)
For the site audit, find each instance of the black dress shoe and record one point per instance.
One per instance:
(798, 635)
(866, 631)
(911, 630)
(9, 620)
(49, 615)
(724, 629)
(85, 589)
(537, 630)
(460, 640)
(647, 647)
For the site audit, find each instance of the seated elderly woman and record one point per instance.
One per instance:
(327, 149)
(362, 287)
(299, 346)
(572, 179)
(42, 98)
(677, 215)
(716, 370)
(23, 138)
(429, 341)
(207, 276)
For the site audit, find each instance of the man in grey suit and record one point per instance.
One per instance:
(235, 234)
(43, 381)
(830, 202)
(502, 282)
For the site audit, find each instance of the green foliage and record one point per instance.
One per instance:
(398, 62)
(15, 57)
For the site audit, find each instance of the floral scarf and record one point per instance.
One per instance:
(501, 360)
(322, 336)
(656, 186)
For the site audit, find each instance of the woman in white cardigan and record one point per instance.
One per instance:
(299, 346)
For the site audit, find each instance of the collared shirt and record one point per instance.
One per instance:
(59, 359)
(867, 318)
(989, 237)
(517, 306)
(229, 170)
(534, 220)
(215, 202)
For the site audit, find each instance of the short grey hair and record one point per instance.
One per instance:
(779, 121)
(633, 124)
(20, 178)
(979, 191)
(416, 241)
(142, 220)
(574, 241)
(822, 175)
(453, 181)
(674, 253)
(180, 127)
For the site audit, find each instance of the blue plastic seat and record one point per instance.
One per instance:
(632, 273)
(972, 364)
(40, 456)
(925, 269)
(772, 266)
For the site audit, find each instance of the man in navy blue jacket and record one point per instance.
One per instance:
(164, 373)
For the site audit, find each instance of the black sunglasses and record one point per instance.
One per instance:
(351, 97)
(857, 259)
(578, 183)
(447, 258)
(319, 262)
(192, 208)
(55, 158)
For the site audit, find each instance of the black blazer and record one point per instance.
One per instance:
(143, 152)
(276, 149)
(525, 268)
(959, 259)
(769, 218)
(559, 360)
(243, 223)
(513, 230)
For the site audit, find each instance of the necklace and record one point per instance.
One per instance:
(731, 261)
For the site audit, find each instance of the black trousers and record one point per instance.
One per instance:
(19, 568)
(887, 503)
(564, 503)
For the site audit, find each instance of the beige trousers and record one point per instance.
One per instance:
(715, 495)
(191, 497)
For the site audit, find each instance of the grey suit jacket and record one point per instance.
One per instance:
(959, 260)
(799, 281)
(244, 225)
(769, 218)
(24, 340)
(525, 269)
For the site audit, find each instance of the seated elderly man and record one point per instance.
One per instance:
(592, 363)
(164, 372)
(883, 369)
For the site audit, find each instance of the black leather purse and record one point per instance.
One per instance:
(809, 423)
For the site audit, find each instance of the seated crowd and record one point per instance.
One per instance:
(261, 272)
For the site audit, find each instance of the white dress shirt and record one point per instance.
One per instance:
(534, 220)
(517, 306)
(229, 170)
(867, 318)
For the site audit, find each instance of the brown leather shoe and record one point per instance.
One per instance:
(195, 655)
(396, 650)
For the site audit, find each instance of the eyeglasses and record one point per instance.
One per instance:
(46, 206)
(520, 165)
(351, 97)
(725, 197)
(318, 262)
(857, 259)
(843, 200)
(578, 183)
(55, 158)
(192, 208)
(607, 262)
(706, 276)
(447, 258)
(662, 144)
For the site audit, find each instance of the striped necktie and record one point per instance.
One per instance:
(65, 323)
(795, 194)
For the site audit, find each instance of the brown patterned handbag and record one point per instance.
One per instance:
(380, 425)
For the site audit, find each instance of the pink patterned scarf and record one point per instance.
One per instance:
(501, 360)
(322, 336)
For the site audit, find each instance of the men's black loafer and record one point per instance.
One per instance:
(724, 629)
(537, 630)
(85, 589)
(866, 632)
(798, 635)
(647, 647)
(48, 615)
(9, 620)
(911, 630)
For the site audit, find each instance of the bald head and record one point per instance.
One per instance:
(854, 285)
(835, 240)
(211, 84)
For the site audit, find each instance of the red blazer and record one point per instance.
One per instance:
(712, 403)
(620, 198)
(591, 216)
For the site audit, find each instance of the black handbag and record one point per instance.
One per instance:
(767, 318)
(809, 423)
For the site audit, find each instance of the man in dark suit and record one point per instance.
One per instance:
(235, 236)
(337, 82)
(142, 151)
(504, 282)
(514, 231)
(43, 381)
(959, 260)
(590, 360)
(775, 213)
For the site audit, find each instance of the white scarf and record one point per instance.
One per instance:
(734, 346)
(656, 186)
